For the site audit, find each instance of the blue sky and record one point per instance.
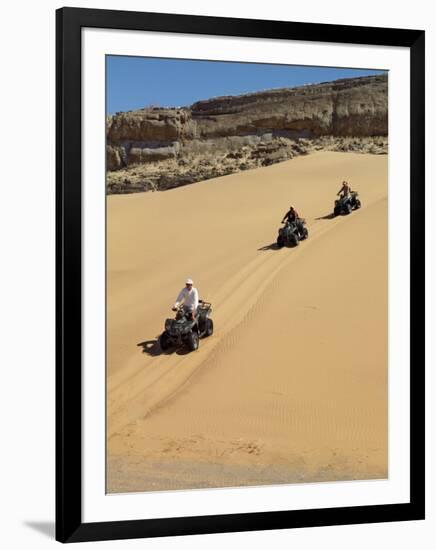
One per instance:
(136, 82)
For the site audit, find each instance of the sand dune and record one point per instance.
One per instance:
(292, 386)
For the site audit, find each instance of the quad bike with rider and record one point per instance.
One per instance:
(187, 329)
(347, 203)
(292, 233)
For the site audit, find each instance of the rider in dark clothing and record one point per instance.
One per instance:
(345, 190)
(292, 216)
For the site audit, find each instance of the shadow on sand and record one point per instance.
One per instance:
(152, 348)
(272, 246)
(330, 216)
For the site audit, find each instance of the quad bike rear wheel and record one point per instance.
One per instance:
(280, 242)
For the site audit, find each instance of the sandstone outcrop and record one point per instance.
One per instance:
(159, 148)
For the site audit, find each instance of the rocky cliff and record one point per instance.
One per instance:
(159, 148)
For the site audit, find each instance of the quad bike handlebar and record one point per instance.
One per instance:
(201, 302)
(301, 220)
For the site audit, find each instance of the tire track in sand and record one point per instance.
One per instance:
(229, 336)
(142, 387)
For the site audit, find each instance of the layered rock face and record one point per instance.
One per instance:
(155, 148)
(351, 107)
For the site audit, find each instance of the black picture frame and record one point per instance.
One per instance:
(69, 525)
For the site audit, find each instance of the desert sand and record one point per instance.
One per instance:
(292, 385)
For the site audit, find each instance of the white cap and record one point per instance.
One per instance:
(189, 282)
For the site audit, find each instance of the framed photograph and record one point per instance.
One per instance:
(240, 275)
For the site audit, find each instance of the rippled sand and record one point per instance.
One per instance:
(292, 386)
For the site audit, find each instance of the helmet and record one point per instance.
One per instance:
(189, 282)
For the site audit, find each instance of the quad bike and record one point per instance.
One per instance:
(345, 205)
(185, 330)
(292, 233)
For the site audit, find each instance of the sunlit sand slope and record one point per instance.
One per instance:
(292, 386)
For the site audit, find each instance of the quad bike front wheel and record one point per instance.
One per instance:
(304, 233)
(209, 327)
(280, 242)
(358, 204)
(193, 341)
(348, 209)
(164, 341)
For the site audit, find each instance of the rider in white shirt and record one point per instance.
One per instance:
(188, 296)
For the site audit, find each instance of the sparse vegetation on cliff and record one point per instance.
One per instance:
(160, 148)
